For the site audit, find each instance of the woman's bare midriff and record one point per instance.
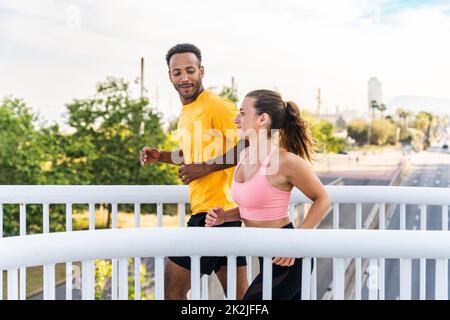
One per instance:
(279, 223)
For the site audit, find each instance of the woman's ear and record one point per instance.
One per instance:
(263, 120)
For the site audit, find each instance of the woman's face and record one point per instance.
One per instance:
(248, 122)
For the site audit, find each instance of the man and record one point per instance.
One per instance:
(204, 117)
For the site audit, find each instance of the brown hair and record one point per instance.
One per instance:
(295, 135)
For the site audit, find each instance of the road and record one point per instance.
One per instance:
(347, 220)
(429, 169)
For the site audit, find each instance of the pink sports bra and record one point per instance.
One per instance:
(257, 198)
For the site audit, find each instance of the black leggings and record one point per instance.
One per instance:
(286, 281)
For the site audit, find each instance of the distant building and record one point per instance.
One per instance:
(374, 91)
(346, 115)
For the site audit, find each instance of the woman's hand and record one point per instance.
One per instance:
(215, 217)
(284, 262)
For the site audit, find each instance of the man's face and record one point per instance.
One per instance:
(186, 74)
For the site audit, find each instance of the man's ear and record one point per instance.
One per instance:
(202, 71)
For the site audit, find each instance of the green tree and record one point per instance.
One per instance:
(357, 130)
(383, 132)
(21, 153)
(118, 126)
(22, 156)
(322, 133)
(426, 122)
(227, 92)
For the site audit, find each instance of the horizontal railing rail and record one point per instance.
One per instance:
(383, 198)
(120, 244)
(180, 194)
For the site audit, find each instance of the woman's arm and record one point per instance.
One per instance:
(218, 216)
(300, 175)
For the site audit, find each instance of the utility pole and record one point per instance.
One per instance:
(319, 102)
(141, 128)
(142, 77)
(369, 127)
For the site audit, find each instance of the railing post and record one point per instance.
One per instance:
(338, 278)
(205, 289)
(88, 267)
(159, 215)
(137, 260)
(123, 279)
(68, 264)
(402, 216)
(114, 209)
(249, 261)
(195, 278)
(181, 214)
(442, 264)
(49, 269)
(358, 286)
(88, 280)
(405, 279)
(49, 282)
(231, 278)
(337, 263)
(423, 264)
(314, 280)
(267, 278)
(306, 279)
(22, 270)
(13, 292)
(373, 282)
(381, 261)
(159, 278)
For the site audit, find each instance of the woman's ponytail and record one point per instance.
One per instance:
(295, 135)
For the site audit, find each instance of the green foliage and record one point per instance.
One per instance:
(227, 92)
(357, 130)
(103, 274)
(118, 126)
(21, 151)
(383, 132)
(322, 133)
(101, 147)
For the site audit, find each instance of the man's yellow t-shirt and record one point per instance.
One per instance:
(206, 130)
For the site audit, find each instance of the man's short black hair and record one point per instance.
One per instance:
(183, 48)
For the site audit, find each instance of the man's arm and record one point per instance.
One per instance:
(151, 155)
(172, 157)
(194, 171)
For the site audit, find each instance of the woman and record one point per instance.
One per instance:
(264, 178)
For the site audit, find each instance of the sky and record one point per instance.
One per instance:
(54, 51)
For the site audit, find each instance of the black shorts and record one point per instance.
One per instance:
(208, 264)
(286, 281)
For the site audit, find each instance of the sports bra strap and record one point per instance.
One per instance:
(267, 159)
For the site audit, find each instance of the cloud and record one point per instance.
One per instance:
(53, 52)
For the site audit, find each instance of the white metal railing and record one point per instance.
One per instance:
(86, 246)
(159, 195)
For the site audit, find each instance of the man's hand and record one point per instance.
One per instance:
(149, 155)
(215, 217)
(193, 171)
